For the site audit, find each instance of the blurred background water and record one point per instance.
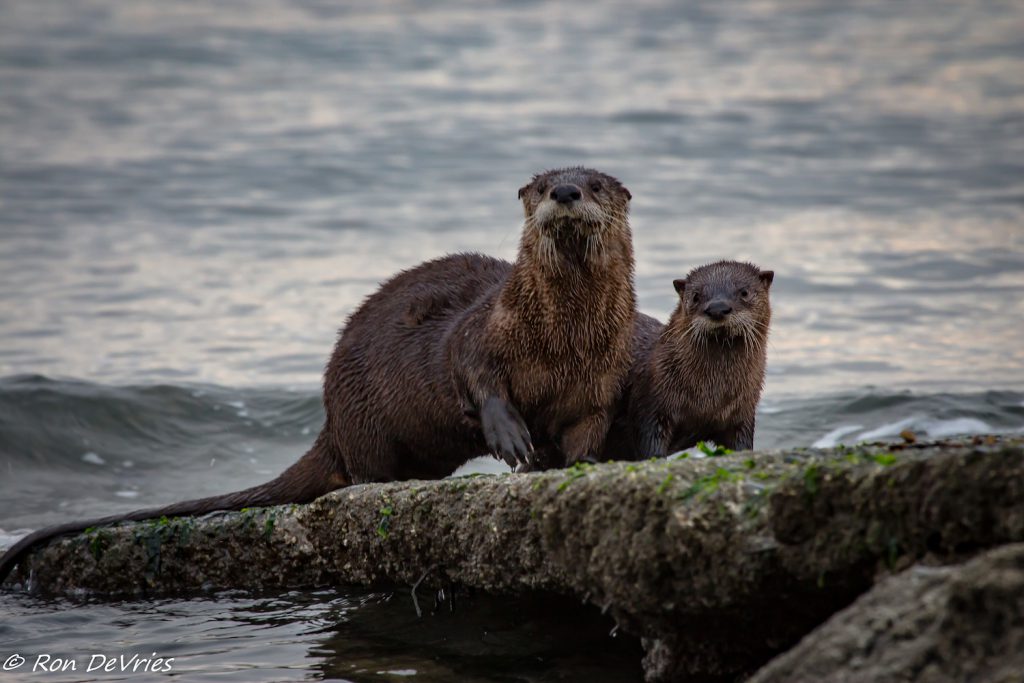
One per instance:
(194, 195)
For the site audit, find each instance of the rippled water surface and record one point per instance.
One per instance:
(194, 195)
(323, 634)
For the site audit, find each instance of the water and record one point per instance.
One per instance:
(193, 196)
(324, 634)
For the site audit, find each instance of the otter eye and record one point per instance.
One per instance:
(696, 298)
(745, 294)
(540, 189)
(595, 187)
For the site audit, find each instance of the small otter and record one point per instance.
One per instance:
(466, 355)
(700, 376)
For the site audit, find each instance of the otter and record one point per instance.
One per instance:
(467, 355)
(698, 378)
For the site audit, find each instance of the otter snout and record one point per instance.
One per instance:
(566, 194)
(717, 310)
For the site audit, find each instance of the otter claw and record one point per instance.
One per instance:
(505, 432)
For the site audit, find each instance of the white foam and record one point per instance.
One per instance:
(832, 438)
(127, 494)
(482, 465)
(93, 459)
(932, 427)
(940, 429)
(891, 429)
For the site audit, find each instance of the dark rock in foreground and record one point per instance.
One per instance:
(718, 564)
(963, 623)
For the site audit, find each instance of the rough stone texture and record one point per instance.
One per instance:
(928, 624)
(718, 563)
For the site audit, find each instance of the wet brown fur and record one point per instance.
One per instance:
(420, 366)
(694, 379)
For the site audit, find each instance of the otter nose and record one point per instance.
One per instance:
(566, 194)
(717, 310)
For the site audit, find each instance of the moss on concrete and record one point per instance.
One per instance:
(718, 563)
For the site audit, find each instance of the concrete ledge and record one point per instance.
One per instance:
(718, 564)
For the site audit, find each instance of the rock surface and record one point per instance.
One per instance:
(927, 624)
(718, 564)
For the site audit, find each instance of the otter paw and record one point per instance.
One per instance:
(505, 432)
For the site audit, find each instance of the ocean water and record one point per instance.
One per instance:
(194, 196)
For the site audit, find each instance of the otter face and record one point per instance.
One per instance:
(726, 298)
(573, 201)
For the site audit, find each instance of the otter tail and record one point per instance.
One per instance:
(312, 476)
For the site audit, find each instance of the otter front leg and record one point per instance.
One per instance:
(652, 439)
(582, 441)
(741, 438)
(483, 396)
(505, 431)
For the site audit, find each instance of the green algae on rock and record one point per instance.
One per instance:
(687, 554)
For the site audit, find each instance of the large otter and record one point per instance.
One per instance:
(466, 355)
(700, 376)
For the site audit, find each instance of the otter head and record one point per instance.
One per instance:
(575, 199)
(572, 208)
(726, 299)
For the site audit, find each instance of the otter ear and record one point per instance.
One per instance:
(522, 190)
(766, 277)
(680, 285)
(629, 195)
